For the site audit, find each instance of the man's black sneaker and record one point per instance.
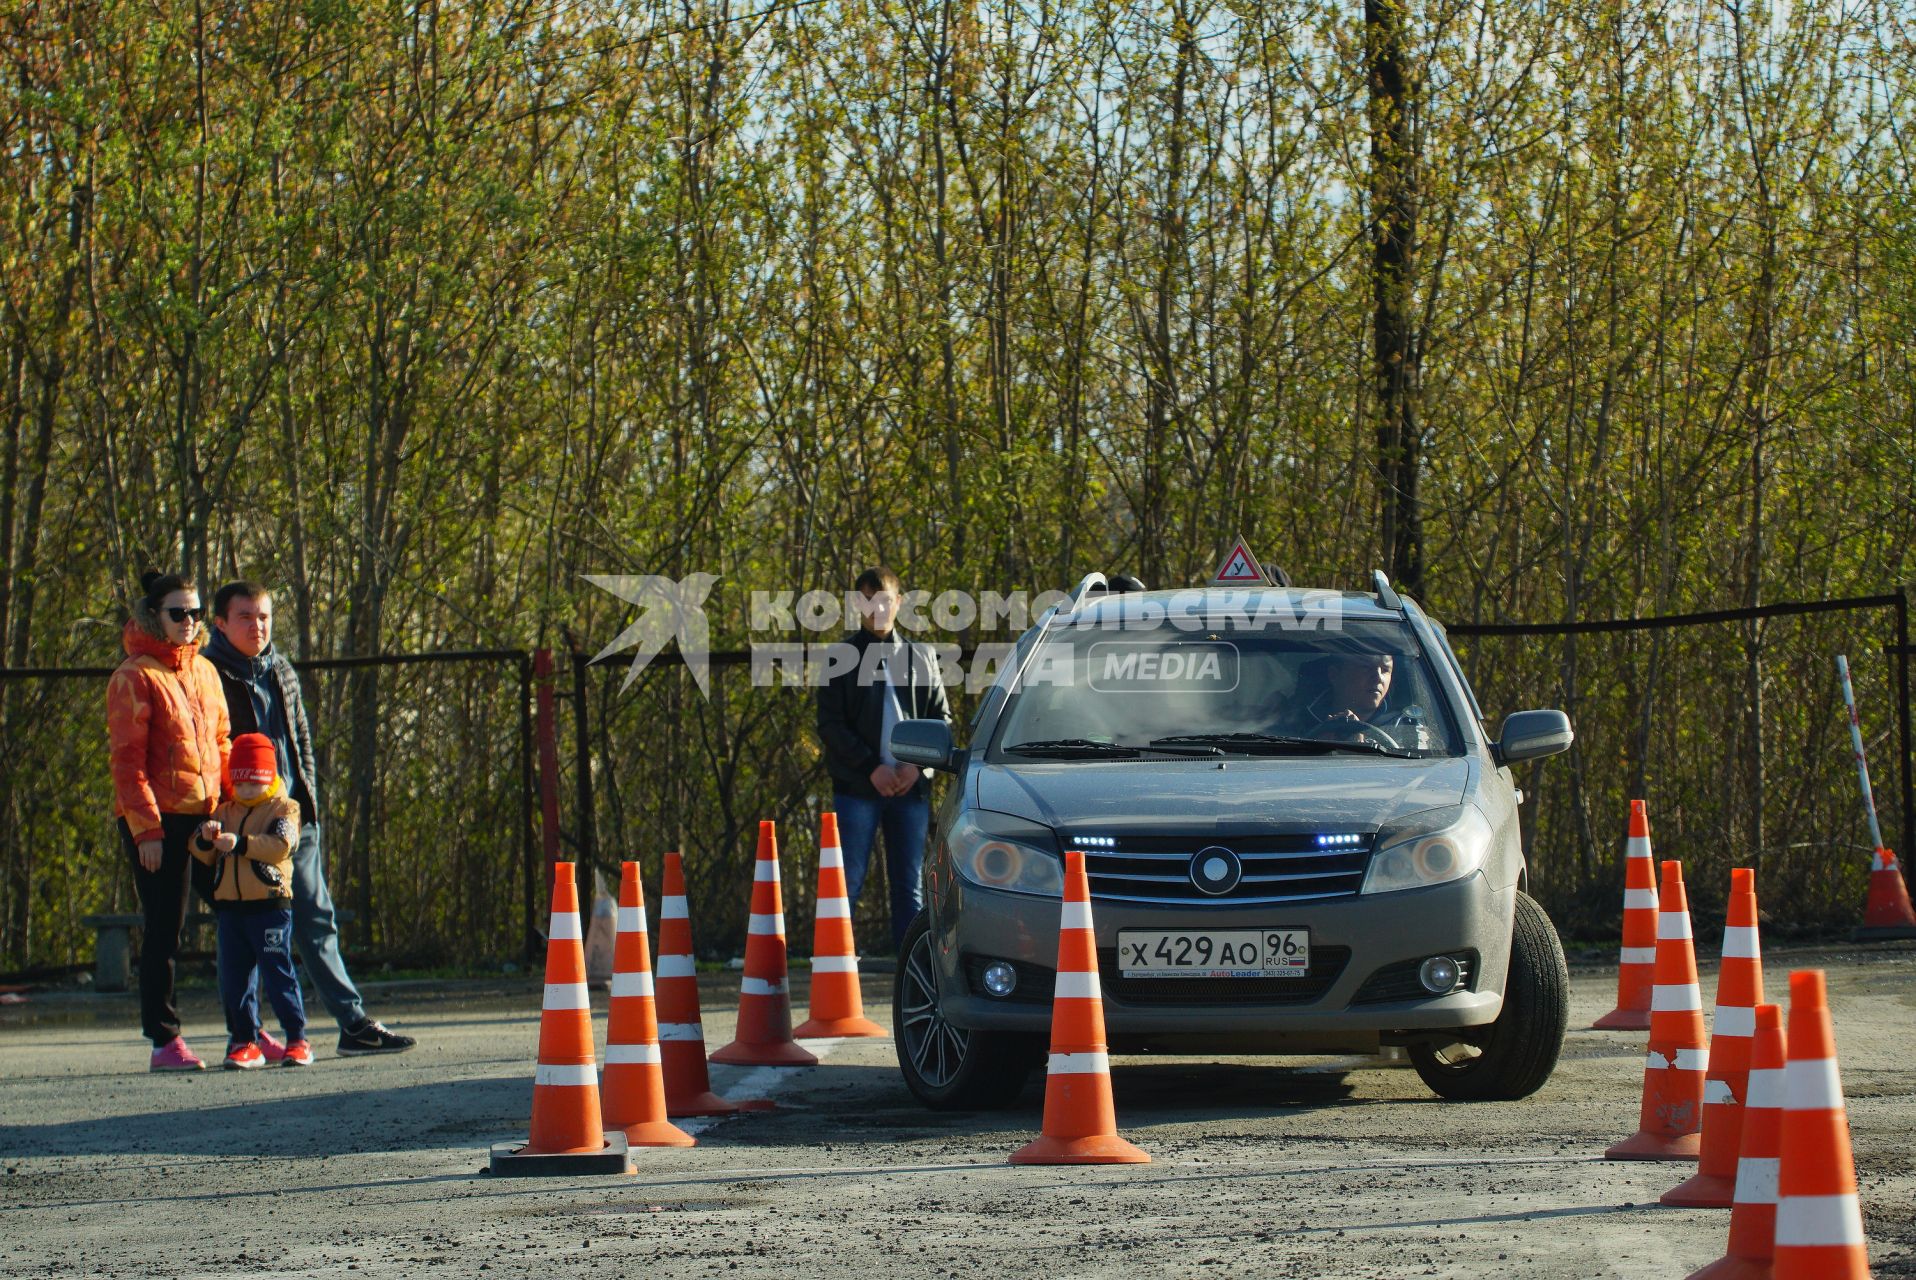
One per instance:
(370, 1037)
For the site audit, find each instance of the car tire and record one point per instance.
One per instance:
(1513, 1056)
(949, 1068)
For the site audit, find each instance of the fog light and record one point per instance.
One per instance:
(1000, 978)
(1438, 974)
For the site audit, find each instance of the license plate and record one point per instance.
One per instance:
(1214, 953)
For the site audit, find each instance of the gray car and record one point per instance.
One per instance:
(1299, 835)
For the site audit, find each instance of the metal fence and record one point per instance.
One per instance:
(433, 811)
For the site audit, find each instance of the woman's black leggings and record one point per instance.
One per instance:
(163, 901)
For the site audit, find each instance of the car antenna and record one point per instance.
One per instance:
(1385, 595)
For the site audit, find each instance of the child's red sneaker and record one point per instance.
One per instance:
(244, 1057)
(269, 1048)
(298, 1054)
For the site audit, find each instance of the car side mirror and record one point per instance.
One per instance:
(925, 743)
(1530, 735)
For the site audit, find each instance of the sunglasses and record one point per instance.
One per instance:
(181, 615)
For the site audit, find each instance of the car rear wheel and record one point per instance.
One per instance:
(949, 1068)
(1513, 1056)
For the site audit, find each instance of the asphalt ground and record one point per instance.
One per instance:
(1260, 1167)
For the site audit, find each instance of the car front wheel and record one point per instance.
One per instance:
(946, 1067)
(1513, 1056)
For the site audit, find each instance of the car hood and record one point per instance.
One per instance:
(1246, 796)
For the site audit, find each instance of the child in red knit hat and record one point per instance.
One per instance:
(249, 844)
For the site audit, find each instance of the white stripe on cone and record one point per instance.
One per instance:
(773, 925)
(1675, 999)
(1739, 943)
(631, 920)
(834, 964)
(566, 995)
(573, 1075)
(1809, 1221)
(1077, 915)
(631, 1053)
(672, 907)
(1639, 899)
(1811, 1084)
(631, 984)
(681, 1031)
(565, 927)
(767, 869)
(1079, 1064)
(1638, 955)
(760, 987)
(831, 856)
(1686, 1060)
(1673, 924)
(1734, 1020)
(1717, 1093)
(834, 909)
(1636, 846)
(678, 967)
(1078, 986)
(1765, 1088)
(1756, 1180)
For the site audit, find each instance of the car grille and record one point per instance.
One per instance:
(1399, 981)
(1277, 868)
(1326, 964)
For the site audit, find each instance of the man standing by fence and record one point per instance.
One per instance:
(891, 680)
(263, 696)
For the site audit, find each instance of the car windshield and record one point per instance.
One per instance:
(1365, 687)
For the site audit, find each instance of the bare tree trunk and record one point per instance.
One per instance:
(1395, 357)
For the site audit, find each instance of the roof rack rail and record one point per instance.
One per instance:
(1088, 585)
(1385, 595)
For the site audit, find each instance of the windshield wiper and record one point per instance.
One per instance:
(1069, 747)
(1281, 744)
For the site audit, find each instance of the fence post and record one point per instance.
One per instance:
(526, 854)
(1902, 718)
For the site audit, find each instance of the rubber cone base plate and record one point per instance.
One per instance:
(512, 1160)
(1701, 1191)
(777, 1054)
(1882, 933)
(826, 1028)
(1650, 1146)
(1105, 1149)
(1623, 1020)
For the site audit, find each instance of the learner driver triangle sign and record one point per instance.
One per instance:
(1239, 568)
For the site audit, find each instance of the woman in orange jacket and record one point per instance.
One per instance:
(166, 718)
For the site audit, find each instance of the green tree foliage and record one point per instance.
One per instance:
(418, 312)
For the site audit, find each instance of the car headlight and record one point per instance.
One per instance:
(995, 851)
(1427, 848)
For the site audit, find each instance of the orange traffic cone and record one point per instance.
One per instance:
(764, 1003)
(1739, 989)
(688, 1086)
(1080, 1124)
(1819, 1225)
(1887, 914)
(1753, 1215)
(1673, 1071)
(566, 1133)
(632, 1096)
(1636, 964)
(838, 1007)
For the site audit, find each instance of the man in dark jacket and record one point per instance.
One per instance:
(890, 680)
(263, 695)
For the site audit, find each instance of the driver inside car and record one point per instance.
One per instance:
(1353, 702)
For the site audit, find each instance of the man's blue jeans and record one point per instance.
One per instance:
(905, 819)
(318, 933)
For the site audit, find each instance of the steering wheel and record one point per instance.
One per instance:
(1355, 730)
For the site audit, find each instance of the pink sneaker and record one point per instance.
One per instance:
(298, 1054)
(244, 1057)
(175, 1056)
(269, 1048)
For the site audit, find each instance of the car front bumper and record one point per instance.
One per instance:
(972, 925)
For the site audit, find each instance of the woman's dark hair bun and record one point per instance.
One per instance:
(147, 580)
(158, 586)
